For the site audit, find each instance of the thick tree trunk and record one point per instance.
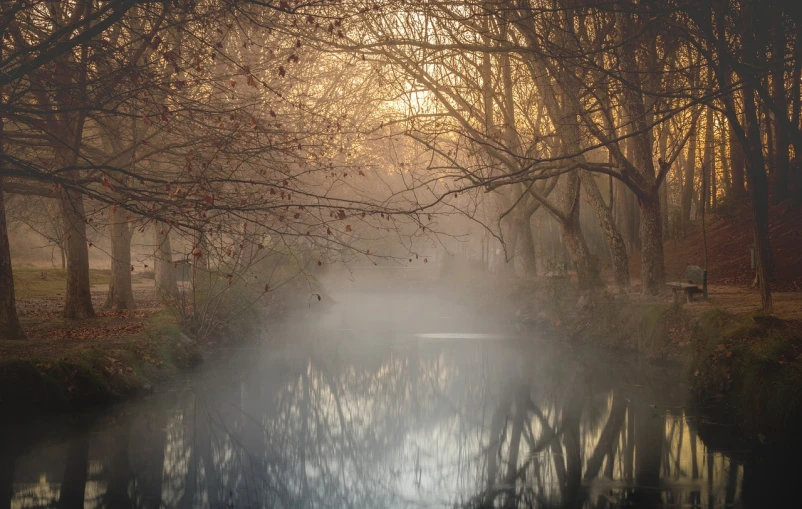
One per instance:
(572, 231)
(578, 250)
(618, 249)
(626, 215)
(78, 302)
(796, 83)
(121, 295)
(737, 168)
(663, 142)
(756, 167)
(725, 167)
(780, 190)
(166, 286)
(664, 208)
(759, 194)
(9, 321)
(652, 262)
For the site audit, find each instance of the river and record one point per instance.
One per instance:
(391, 399)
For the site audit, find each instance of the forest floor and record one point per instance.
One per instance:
(730, 277)
(735, 355)
(65, 363)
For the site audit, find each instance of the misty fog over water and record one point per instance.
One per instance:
(403, 394)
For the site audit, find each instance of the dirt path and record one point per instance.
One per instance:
(746, 300)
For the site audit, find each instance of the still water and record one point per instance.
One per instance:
(391, 400)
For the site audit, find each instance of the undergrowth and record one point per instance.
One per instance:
(754, 363)
(654, 327)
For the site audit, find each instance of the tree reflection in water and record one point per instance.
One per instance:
(408, 423)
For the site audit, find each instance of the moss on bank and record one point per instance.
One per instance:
(754, 365)
(46, 381)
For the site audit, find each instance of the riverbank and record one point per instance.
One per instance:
(630, 322)
(752, 365)
(744, 363)
(114, 357)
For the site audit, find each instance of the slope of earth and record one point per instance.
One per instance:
(728, 249)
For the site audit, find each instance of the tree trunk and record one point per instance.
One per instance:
(578, 250)
(10, 327)
(121, 295)
(572, 231)
(663, 142)
(78, 302)
(725, 167)
(652, 262)
(166, 286)
(796, 84)
(526, 246)
(709, 158)
(687, 180)
(618, 249)
(737, 168)
(781, 138)
(756, 171)
(626, 215)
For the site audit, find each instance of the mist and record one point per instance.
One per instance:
(350, 254)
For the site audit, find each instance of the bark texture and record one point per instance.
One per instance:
(9, 321)
(166, 285)
(652, 269)
(121, 295)
(572, 231)
(737, 168)
(618, 249)
(78, 303)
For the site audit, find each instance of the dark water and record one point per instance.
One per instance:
(391, 400)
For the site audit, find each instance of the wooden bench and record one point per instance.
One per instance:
(695, 282)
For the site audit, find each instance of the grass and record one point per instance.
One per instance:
(89, 373)
(755, 364)
(603, 319)
(34, 283)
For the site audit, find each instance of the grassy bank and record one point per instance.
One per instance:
(749, 365)
(40, 377)
(655, 327)
(752, 364)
